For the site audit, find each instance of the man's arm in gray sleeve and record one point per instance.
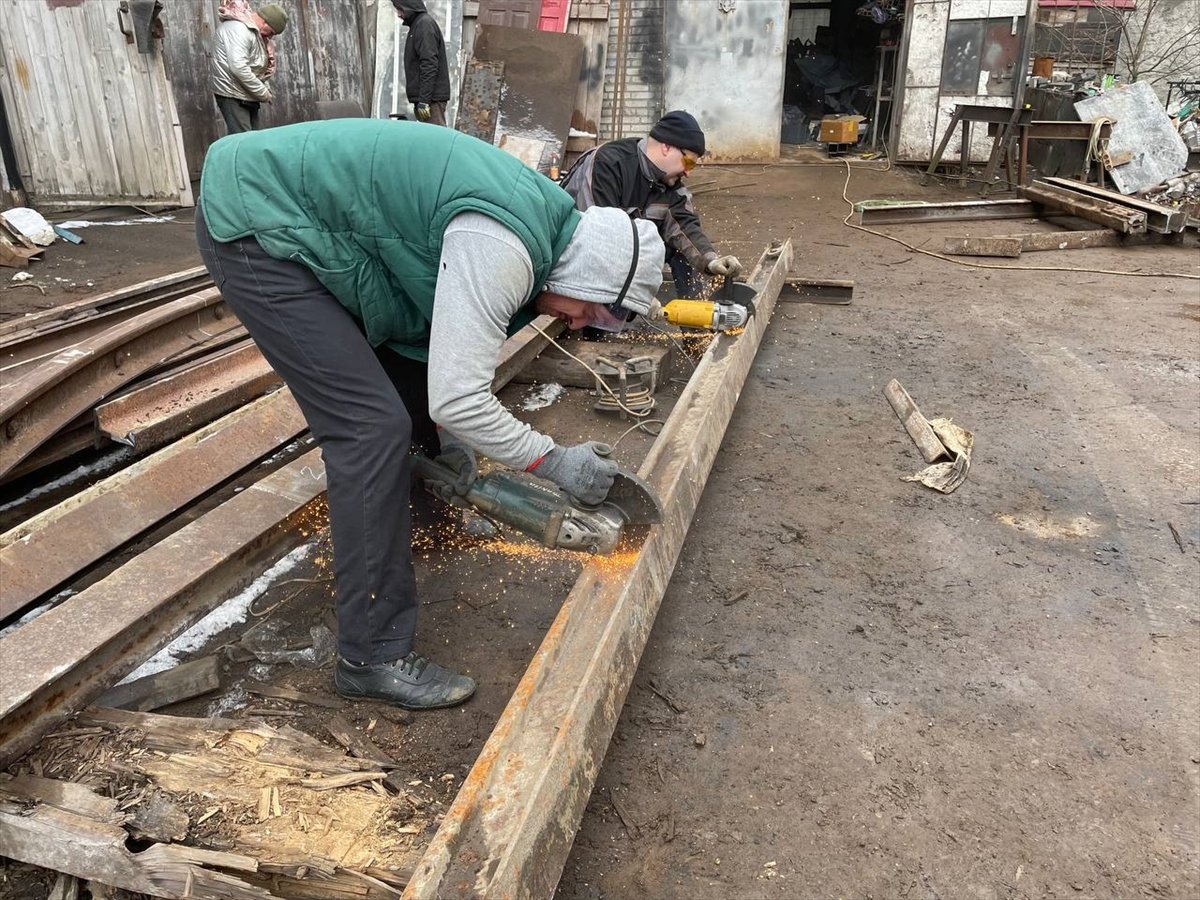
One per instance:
(484, 277)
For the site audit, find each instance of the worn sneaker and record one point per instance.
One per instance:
(410, 683)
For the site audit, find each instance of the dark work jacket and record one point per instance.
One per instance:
(426, 74)
(620, 174)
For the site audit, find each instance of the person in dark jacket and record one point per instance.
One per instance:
(426, 74)
(644, 177)
(379, 266)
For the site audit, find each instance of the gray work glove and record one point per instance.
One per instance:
(725, 265)
(655, 313)
(583, 471)
(460, 459)
(424, 112)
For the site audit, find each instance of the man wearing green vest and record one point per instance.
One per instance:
(379, 267)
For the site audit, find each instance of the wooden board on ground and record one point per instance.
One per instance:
(914, 423)
(323, 836)
(187, 680)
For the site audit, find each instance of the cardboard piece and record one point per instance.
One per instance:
(840, 129)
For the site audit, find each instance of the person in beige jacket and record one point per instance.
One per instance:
(243, 61)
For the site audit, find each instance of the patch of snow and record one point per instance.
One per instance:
(37, 611)
(21, 276)
(235, 699)
(232, 612)
(96, 467)
(144, 220)
(542, 396)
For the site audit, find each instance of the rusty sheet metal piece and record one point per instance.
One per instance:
(36, 405)
(479, 102)
(49, 549)
(27, 346)
(58, 663)
(511, 826)
(151, 416)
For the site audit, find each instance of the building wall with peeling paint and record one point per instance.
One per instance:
(940, 52)
(724, 63)
(633, 78)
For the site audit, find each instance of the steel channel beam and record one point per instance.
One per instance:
(19, 354)
(957, 211)
(26, 327)
(76, 436)
(48, 550)
(512, 824)
(58, 663)
(1111, 215)
(1162, 219)
(32, 408)
(152, 416)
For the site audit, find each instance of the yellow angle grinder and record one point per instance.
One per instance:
(730, 307)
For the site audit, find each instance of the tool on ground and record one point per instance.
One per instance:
(547, 514)
(625, 386)
(731, 306)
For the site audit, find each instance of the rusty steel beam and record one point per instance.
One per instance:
(1159, 218)
(34, 407)
(189, 281)
(26, 348)
(511, 825)
(76, 436)
(151, 416)
(48, 550)
(58, 663)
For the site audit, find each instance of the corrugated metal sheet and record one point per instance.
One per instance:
(93, 119)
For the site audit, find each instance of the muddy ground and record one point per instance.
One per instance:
(857, 687)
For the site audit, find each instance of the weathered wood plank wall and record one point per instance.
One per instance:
(93, 120)
(326, 53)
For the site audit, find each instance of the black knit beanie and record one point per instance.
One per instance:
(679, 129)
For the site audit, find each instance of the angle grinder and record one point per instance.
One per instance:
(547, 514)
(731, 306)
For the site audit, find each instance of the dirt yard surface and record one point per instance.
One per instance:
(856, 687)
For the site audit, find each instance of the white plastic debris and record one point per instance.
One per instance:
(22, 276)
(30, 223)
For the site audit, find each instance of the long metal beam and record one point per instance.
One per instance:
(49, 549)
(35, 406)
(1111, 215)
(58, 663)
(956, 211)
(511, 826)
(1163, 219)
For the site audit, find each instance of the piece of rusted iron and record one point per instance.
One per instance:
(511, 826)
(48, 550)
(58, 663)
(36, 405)
(153, 415)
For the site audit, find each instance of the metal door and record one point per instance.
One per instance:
(92, 118)
(510, 13)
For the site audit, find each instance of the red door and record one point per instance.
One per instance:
(554, 15)
(510, 13)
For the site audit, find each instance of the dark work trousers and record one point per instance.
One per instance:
(358, 417)
(239, 115)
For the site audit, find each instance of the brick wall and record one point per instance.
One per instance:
(642, 102)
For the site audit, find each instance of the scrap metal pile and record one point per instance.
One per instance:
(206, 477)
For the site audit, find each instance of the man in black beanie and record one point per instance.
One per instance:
(644, 176)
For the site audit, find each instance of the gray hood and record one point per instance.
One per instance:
(596, 264)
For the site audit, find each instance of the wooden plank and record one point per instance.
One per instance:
(914, 423)
(357, 743)
(511, 826)
(66, 657)
(187, 680)
(524, 346)
(283, 692)
(51, 548)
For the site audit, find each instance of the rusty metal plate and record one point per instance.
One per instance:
(479, 103)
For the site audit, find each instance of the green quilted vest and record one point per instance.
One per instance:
(364, 204)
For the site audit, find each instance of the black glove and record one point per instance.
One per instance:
(583, 471)
(460, 459)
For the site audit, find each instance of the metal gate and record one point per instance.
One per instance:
(93, 120)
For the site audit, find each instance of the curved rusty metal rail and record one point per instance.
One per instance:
(36, 405)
